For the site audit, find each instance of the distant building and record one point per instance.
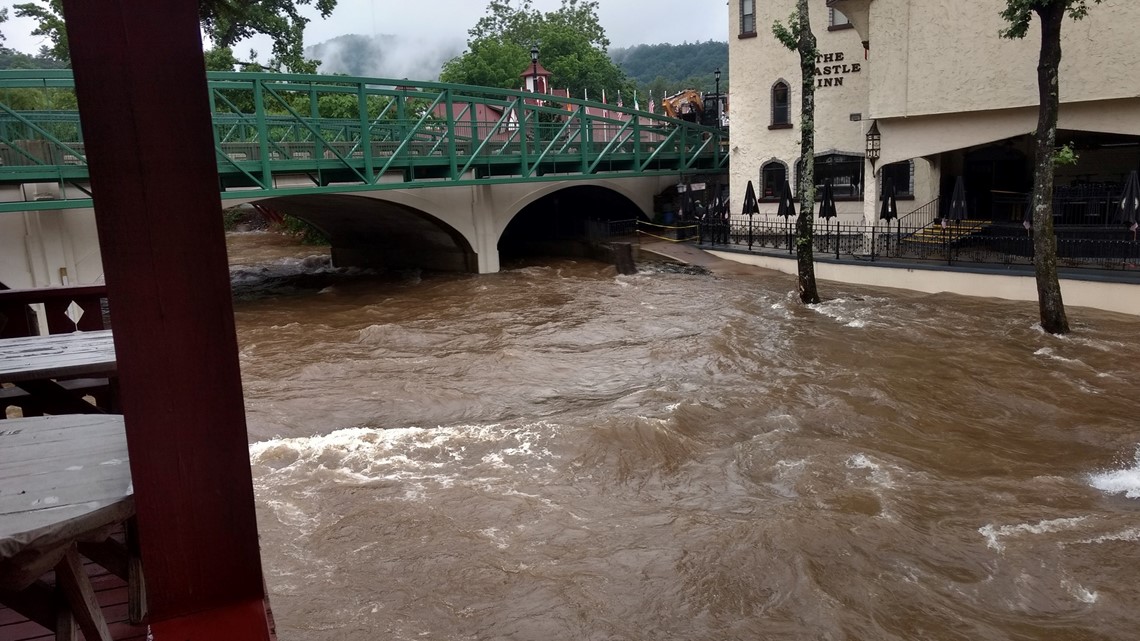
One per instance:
(950, 98)
(536, 78)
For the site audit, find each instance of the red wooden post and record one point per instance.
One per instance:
(141, 84)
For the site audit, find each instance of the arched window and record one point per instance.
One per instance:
(772, 176)
(781, 106)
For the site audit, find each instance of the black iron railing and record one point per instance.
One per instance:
(922, 215)
(1093, 247)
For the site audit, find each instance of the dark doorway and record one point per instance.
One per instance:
(563, 223)
(995, 177)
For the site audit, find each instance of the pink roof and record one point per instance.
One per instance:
(530, 71)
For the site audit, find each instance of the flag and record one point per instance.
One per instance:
(604, 96)
(652, 105)
(636, 104)
(619, 100)
(586, 94)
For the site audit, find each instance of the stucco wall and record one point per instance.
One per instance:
(929, 135)
(945, 56)
(756, 64)
(1113, 297)
(42, 249)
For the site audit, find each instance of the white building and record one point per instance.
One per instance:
(950, 97)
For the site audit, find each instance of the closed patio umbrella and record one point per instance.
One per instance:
(751, 206)
(827, 203)
(787, 202)
(958, 209)
(890, 209)
(1129, 210)
(827, 212)
(787, 210)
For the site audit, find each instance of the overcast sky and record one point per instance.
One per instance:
(627, 22)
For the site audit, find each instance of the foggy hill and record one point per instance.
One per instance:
(686, 64)
(395, 56)
(385, 56)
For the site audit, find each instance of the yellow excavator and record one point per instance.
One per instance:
(693, 106)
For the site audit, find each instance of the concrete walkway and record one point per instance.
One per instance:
(691, 255)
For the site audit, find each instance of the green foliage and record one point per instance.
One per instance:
(41, 99)
(789, 35)
(10, 59)
(49, 22)
(225, 23)
(571, 40)
(666, 69)
(1066, 155)
(1019, 13)
(232, 217)
(306, 233)
(489, 63)
(220, 59)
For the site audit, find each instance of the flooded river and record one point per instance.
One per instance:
(556, 452)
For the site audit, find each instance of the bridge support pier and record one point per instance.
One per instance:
(46, 248)
(483, 220)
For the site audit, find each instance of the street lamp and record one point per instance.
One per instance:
(716, 74)
(874, 142)
(534, 66)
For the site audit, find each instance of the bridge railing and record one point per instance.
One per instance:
(349, 130)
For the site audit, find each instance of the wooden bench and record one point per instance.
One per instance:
(99, 389)
(17, 319)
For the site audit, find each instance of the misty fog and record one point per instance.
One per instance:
(386, 56)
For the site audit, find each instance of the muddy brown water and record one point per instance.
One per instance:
(556, 452)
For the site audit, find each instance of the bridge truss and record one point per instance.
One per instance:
(281, 134)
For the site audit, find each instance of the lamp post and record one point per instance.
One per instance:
(716, 75)
(534, 67)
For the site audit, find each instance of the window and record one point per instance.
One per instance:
(747, 18)
(901, 175)
(772, 177)
(781, 106)
(843, 171)
(836, 20)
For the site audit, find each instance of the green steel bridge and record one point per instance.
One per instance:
(279, 135)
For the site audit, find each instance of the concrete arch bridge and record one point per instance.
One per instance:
(396, 173)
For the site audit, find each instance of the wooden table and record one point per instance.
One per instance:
(65, 481)
(35, 363)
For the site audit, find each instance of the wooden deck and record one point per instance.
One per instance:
(111, 592)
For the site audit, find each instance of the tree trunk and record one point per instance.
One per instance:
(1044, 240)
(804, 222)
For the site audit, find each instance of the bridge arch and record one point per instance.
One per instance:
(463, 228)
(562, 219)
(375, 230)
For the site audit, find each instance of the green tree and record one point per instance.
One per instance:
(489, 63)
(1051, 14)
(572, 46)
(221, 59)
(797, 36)
(49, 23)
(225, 23)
